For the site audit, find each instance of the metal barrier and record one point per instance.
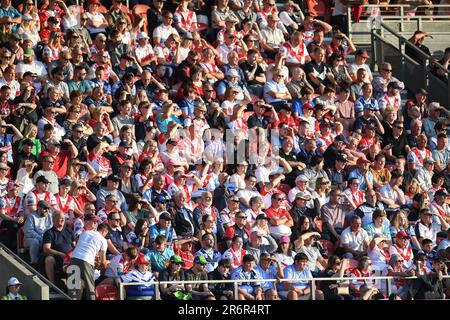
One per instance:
(236, 283)
(389, 46)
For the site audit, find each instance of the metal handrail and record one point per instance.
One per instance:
(403, 41)
(35, 272)
(236, 282)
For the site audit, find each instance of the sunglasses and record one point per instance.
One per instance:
(128, 168)
(388, 70)
(278, 199)
(7, 57)
(117, 219)
(51, 162)
(400, 128)
(241, 217)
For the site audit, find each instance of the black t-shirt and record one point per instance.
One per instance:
(247, 68)
(61, 241)
(398, 145)
(319, 70)
(192, 276)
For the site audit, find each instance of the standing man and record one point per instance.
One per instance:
(90, 244)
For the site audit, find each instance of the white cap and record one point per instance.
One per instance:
(13, 282)
(142, 35)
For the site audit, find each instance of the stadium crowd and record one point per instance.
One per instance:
(197, 140)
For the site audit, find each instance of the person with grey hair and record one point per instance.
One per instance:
(395, 268)
(256, 248)
(183, 218)
(380, 82)
(436, 113)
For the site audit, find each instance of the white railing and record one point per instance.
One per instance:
(122, 291)
(399, 12)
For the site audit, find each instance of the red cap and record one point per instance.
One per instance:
(308, 106)
(362, 160)
(141, 260)
(94, 2)
(229, 233)
(402, 234)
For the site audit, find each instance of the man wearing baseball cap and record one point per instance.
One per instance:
(335, 150)
(401, 246)
(164, 226)
(13, 289)
(363, 173)
(36, 224)
(199, 291)
(173, 272)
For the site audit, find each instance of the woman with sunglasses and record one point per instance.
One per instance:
(364, 269)
(336, 64)
(54, 47)
(335, 269)
(395, 268)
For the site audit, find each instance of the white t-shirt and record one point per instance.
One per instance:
(164, 32)
(353, 68)
(89, 245)
(98, 17)
(353, 241)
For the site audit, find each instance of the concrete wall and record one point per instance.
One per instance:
(33, 287)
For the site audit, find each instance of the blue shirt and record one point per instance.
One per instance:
(169, 233)
(158, 259)
(362, 183)
(361, 104)
(270, 273)
(291, 273)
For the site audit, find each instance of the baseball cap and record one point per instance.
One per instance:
(201, 260)
(13, 281)
(141, 260)
(401, 235)
(303, 195)
(301, 177)
(441, 192)
(231, 19)
(361, 52)
(188, 36)
(284, 239)
(28, 52)
(113, 177)
(65, 182)
(53, 20)
(91, 217)
(341, 138)
(165, 216)
(15, 36)
(286, 106)
(172, 141)
(262, 216)
(308, 106)
(362, 160)
(394, 84)
(26, 17)
(429, 160)
(124, 144)
(233, 198)
(43, 204)
(232, 73)
(176, 259)
(160, 199)
(42, 179)
(142, 35)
